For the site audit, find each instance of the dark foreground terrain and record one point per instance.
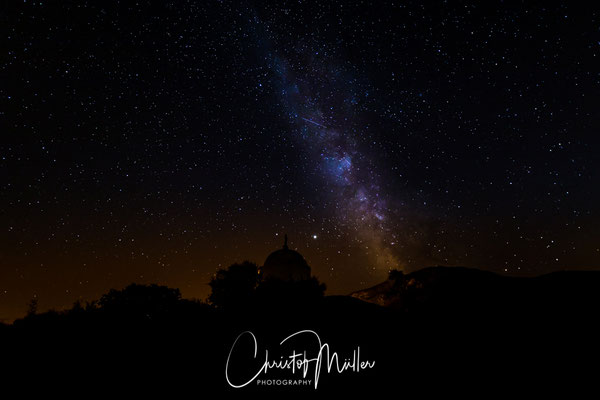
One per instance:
(438, 331)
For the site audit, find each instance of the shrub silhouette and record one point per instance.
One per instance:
(140, 301)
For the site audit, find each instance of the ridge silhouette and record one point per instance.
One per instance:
(438, 324)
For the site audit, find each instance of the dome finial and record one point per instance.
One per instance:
(285, 246)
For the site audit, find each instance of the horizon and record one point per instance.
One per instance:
(204, 299)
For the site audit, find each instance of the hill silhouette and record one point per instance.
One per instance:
(457, 328)
(460, 290)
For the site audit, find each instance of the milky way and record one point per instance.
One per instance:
(317, 97)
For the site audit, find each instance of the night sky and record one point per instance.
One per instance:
(156, 142)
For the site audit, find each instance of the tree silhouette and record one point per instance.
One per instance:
(240, 286)
(32, 307)
(395, 274)
(235, 286)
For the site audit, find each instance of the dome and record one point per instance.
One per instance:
(285, 265)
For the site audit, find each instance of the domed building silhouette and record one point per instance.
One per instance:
(285, 265)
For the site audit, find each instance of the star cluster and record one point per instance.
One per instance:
(160, 141)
